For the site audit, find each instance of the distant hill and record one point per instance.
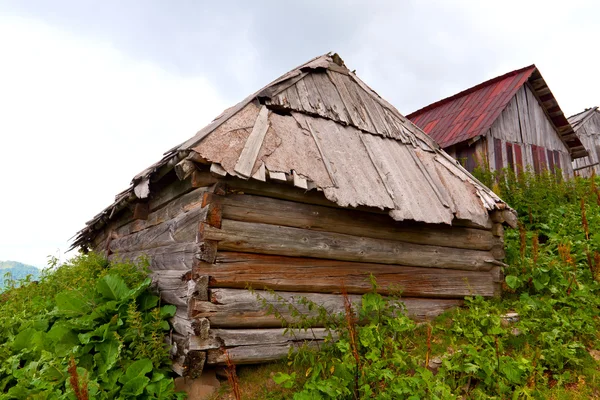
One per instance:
(17, 270)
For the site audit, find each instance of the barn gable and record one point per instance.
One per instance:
(513, 109)
(587, 127)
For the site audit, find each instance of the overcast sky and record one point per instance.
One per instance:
(92, 92)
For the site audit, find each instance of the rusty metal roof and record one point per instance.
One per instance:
(472, 112)
(325, 127)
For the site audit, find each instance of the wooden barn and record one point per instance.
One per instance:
(586, 125)
(304, 188)
(512, 121)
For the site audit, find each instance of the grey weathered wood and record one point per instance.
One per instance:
(323, 156)
(250, 208)
(240, 270)
(177, 256)
(239, 308)
(217, 169)
(510, 218)
(249, 153)
(181, 229)
(498, 230)
(278, 176)
(166, 192)
(261, 174)
(176, 207)
(184, 168)
(189, 326)
(279, 240)
(254, 354)
(299, 181)
(250, 337)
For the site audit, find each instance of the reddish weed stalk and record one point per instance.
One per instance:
(232, 377)
(523, 244)
(351, 322)
(564, 251)
(81, 393)
(428, 345)
(584, 221)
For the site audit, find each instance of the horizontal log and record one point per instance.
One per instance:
(179, 256)
(181, 229)
(176, 207)
(249, 208)
(288, 192)
(282, 240)
(168, 189)
(239, 308)
(249, 337)
(254, 354)
(240, 270)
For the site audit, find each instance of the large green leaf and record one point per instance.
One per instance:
(71, 303)
(161, 389)
(23, 339)
(168, 311)
(147, 301)
(112, 287)
(109, 352)
(138, 368)
(135, 386)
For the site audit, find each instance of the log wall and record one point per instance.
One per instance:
(207, 241)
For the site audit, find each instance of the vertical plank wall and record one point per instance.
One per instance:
(524, 133)
(589, 134)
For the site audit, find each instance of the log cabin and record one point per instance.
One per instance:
(586, 125)
(512, 121)
(302, 190)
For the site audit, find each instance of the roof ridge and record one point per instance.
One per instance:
(469, 90)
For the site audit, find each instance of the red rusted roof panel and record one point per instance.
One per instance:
(471, 112)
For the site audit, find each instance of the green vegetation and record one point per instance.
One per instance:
(86, 329)
(550, 352)
(15, 271)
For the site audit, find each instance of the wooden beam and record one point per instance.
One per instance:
(250, 337)
(176, 256)
(202, 179)
(250, 208)
(141, 211)
(180, 205)
(184, 168)
(253, 354)
(249, 153)
(240, 270)
(181, 229)
(280, 240)
(239, 308)
(214, 209)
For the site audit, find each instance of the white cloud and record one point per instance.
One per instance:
(78, 119)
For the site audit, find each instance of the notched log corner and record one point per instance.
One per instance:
(194, 364)
(207, 251)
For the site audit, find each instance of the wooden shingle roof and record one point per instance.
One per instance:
(324, 129)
